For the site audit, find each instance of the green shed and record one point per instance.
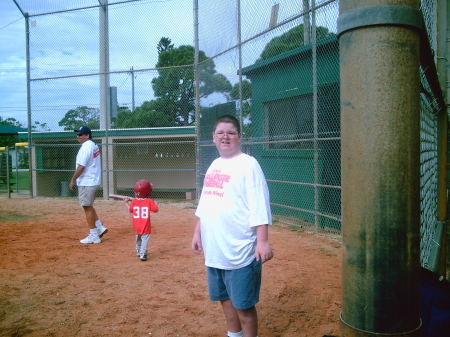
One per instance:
(296, 140)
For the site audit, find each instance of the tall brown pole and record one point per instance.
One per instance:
(379, 64)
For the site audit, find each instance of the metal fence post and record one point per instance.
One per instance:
(30, 140)
(239, 40)
(8, 176)
(105, 107)
(197, 102)
(315, 120)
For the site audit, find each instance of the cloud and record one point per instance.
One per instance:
(12, 63)
(67, 44)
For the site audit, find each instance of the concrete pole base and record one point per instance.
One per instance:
(351, 331)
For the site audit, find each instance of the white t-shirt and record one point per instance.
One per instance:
(89, 157)
(234, 200)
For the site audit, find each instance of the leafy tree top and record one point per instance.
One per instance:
(82, 115)
(10, 140)
(175, 85)
(292, 39)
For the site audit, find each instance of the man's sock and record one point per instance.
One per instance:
(98, 224)
(93, 231)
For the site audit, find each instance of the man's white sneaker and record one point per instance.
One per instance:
(91, 239)
(102, 231)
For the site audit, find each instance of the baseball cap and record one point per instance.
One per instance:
(84, 130)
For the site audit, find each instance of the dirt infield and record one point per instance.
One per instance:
(51, 285)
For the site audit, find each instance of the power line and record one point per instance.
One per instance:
(9, 24)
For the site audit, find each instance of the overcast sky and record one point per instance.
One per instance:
(13, 100)
(66, 44)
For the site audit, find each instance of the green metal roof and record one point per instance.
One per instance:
(163, 131)
(10, 130)
(286, 55)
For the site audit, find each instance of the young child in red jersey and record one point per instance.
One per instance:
(140, 208)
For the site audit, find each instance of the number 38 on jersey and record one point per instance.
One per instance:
(140, 212)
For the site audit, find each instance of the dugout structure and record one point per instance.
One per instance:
(299, 132)
(164, 156)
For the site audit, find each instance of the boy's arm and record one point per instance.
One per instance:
(127, 205)
(154, 207)
(263, 249)
(197, 239)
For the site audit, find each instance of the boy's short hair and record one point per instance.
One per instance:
(228, 119)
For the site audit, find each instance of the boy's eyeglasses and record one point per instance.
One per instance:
(231, 134)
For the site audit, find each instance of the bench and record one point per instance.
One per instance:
(189, 193)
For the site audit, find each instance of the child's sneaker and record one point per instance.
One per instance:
(143, 257)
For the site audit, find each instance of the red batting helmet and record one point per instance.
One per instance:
(142, 188)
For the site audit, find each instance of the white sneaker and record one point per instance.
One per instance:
(102, 231)
(91, 239)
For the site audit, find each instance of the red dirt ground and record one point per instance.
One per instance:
(51, 285)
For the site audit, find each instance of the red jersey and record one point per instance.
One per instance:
(141, 208)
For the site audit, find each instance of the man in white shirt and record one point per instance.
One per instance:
(87, 177)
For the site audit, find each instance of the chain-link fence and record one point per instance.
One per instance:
(284, 64)
(113, 78)
(432, 105)
(160, 155)
(287, 71)
(14, 170)
(130, 72)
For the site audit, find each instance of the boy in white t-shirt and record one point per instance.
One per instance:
(87, 177)
(232, 229)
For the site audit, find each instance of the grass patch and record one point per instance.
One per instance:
(24, 180)
(10, 216)
(20, 179)
(295, 228)
(327, 252)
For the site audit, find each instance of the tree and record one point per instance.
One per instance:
(38, 126)
(246, 98)
(246, 104)
(9, 140)
(174, 87)
(82, 115)
(246, 90)
(149, 114)
(164, 44)
(293, 38)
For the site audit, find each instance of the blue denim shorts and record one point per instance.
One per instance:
(241, 286)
